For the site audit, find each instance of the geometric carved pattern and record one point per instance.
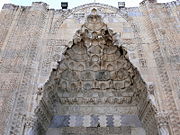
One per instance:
(95, 64)
(95, 120)
(93, 71)
(67, 13)
(30, 47)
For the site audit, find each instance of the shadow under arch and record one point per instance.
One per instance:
(95, 72)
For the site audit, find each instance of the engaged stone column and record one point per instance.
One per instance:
(31, 120)
(163, 125)
(151, 94)
(30, 126)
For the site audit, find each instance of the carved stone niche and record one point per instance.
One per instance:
(95, 79)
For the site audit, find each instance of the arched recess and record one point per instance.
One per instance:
(96, 82)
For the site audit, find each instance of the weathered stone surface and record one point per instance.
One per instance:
(102, 75)
(34, 38)
(111, 85)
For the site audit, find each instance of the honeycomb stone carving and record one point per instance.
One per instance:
(34, 37)
(95, 71)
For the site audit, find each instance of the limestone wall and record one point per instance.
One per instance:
(33, 38)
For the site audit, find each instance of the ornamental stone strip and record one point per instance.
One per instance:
(95, 121)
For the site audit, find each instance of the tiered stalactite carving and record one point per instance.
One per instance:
(95, 71)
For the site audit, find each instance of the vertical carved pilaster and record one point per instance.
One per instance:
(30, 126)
(163, 123)
(151, 95)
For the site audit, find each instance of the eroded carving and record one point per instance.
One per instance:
(94, 71)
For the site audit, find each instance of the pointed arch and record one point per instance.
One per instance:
(69, 12)
(96, 72)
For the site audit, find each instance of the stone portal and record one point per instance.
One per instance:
(95, 89)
